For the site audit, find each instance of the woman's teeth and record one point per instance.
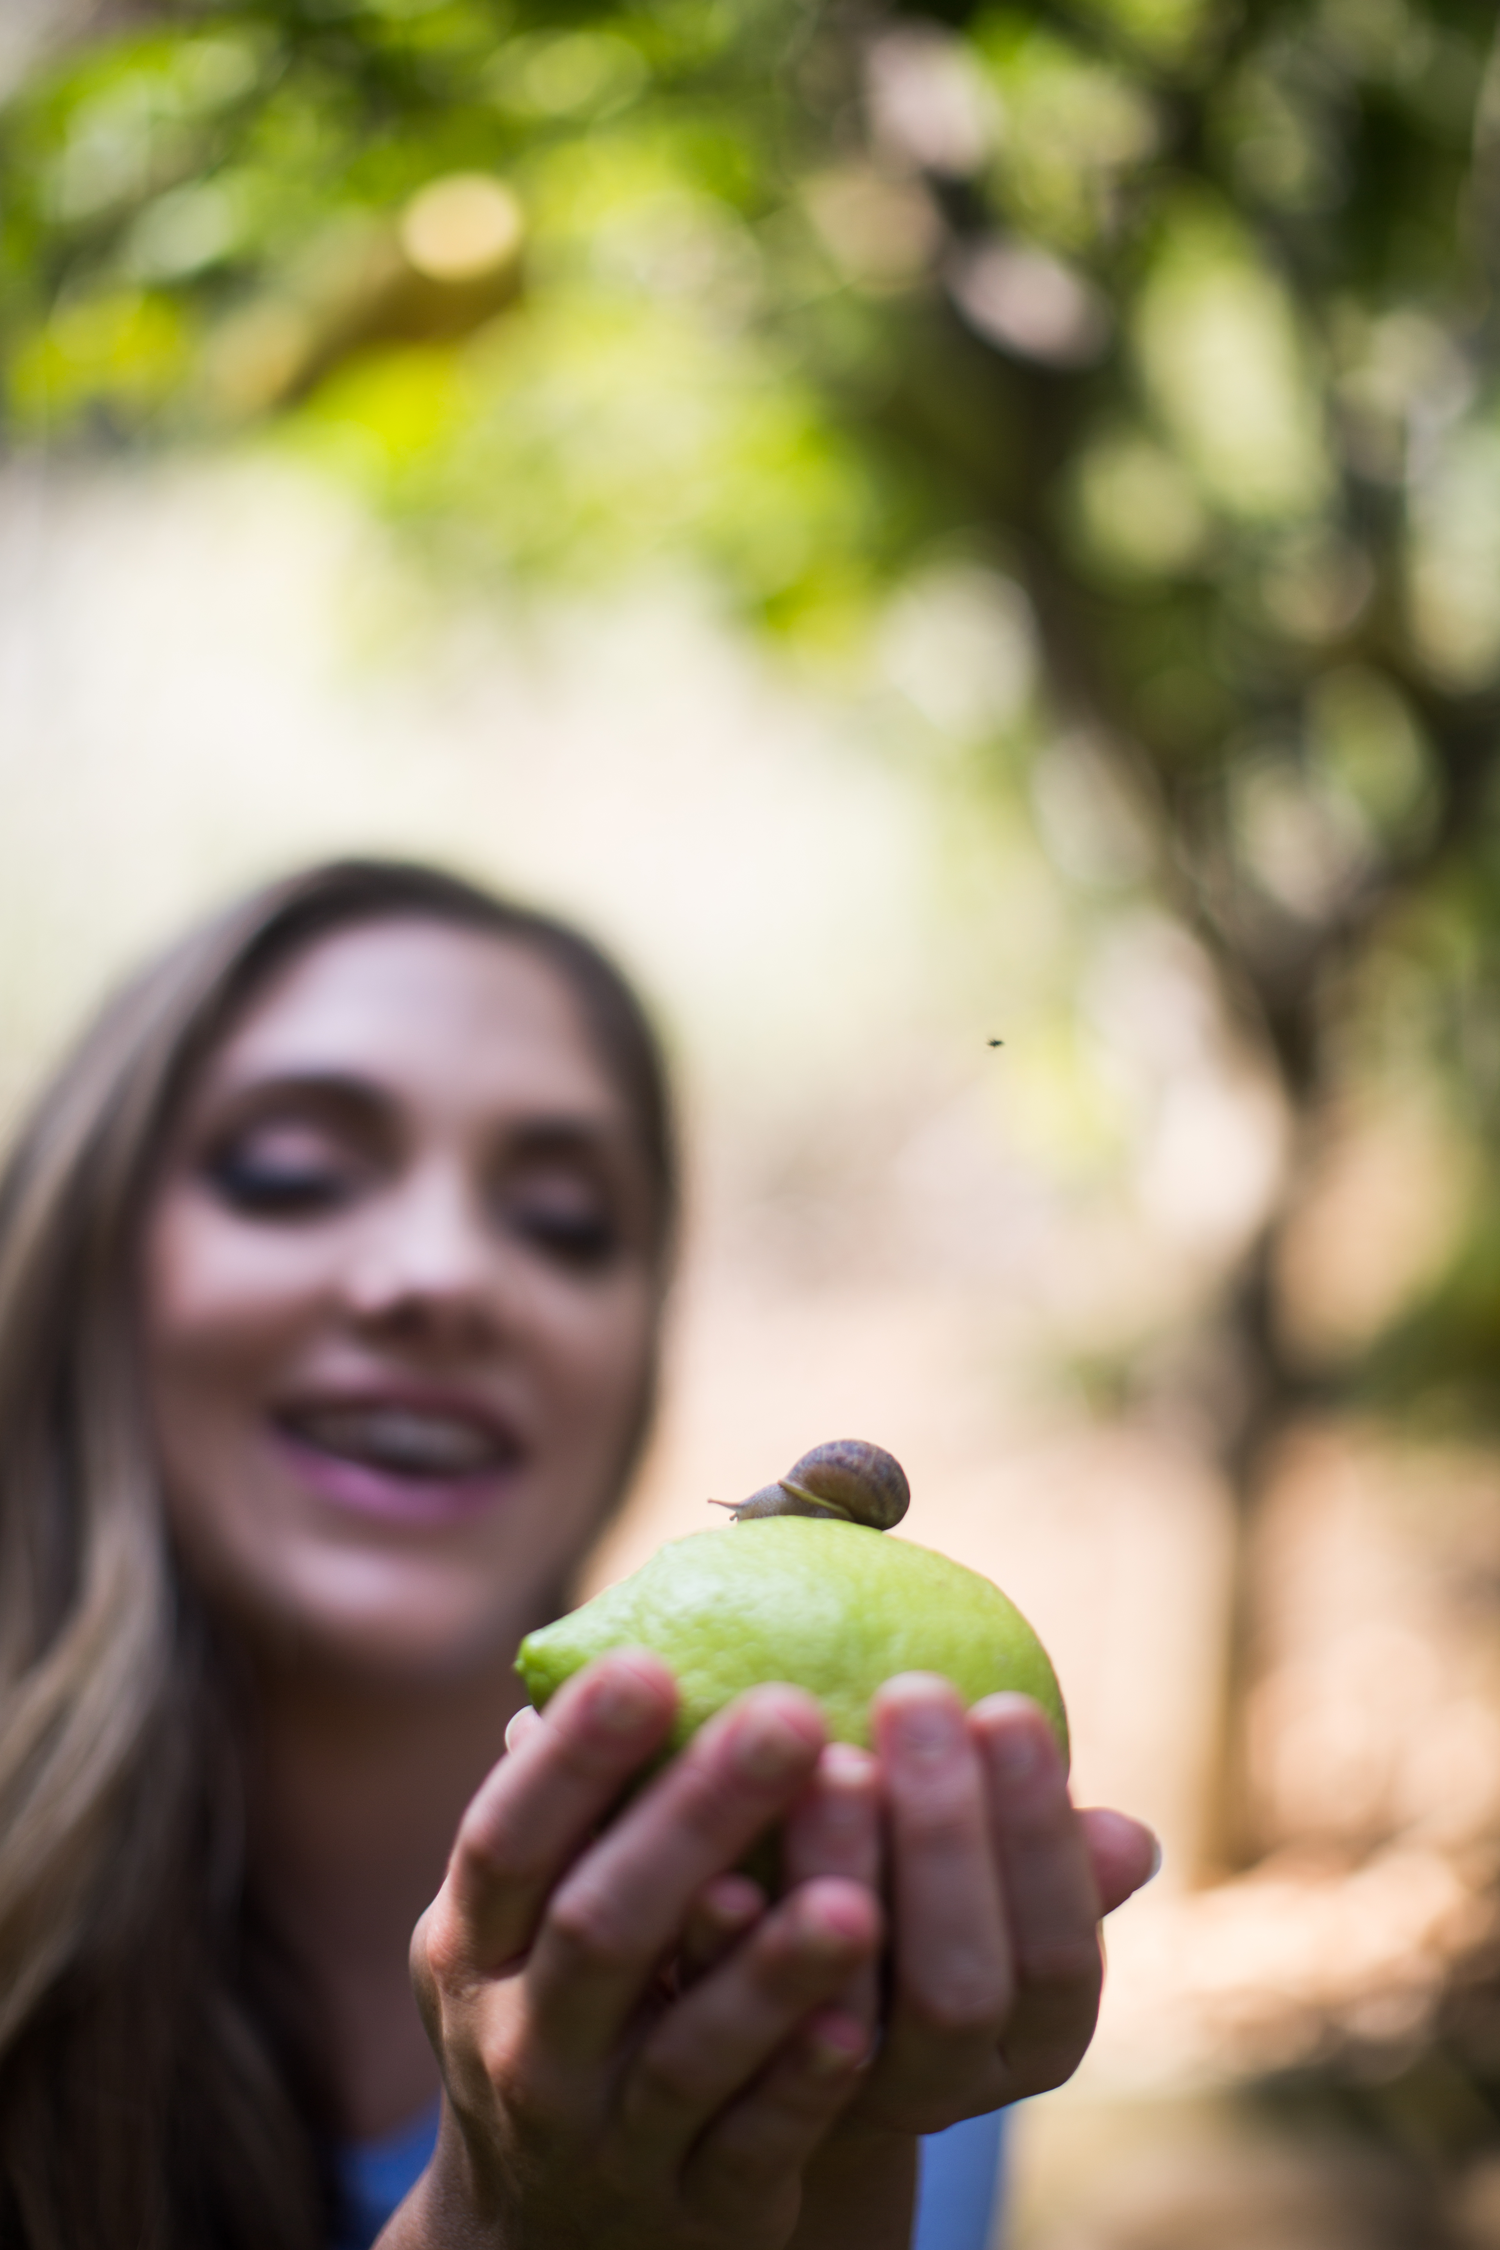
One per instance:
(406, 1441)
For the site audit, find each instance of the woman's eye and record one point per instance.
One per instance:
(279, 1182)
(580, 1235)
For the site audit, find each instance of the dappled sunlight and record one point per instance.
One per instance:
(1279, 1967)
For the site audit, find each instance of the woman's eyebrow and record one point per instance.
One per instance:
(549, 1133)
(565, 1134)
(343, 1091)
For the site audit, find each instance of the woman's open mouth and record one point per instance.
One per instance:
(398, 1458)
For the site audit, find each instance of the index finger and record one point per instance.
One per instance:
(541, 1803)
(1051, 1896)
(628, 1900)
(954, 1976)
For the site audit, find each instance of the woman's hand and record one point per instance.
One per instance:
(997, 1887)
(589, 2104)
(996, 1890)
(595, 2100)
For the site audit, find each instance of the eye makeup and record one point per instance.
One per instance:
(295, 1149)
(280, 1171)
(569, 1221)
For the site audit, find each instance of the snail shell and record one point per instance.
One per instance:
(847, 1478)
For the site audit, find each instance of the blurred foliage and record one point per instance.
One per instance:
(1171, 320)
(593, 355)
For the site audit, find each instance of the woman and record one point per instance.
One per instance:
(330, 1275)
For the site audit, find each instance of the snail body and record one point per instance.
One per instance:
(846, 1478)
(808, 1590)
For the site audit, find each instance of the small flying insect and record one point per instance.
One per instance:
(997, 1042)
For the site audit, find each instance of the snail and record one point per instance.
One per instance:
(847, 1478)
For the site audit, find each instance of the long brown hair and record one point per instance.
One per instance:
(159, 2089)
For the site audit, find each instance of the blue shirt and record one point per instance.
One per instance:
(958, 2182)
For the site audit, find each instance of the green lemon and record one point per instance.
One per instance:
(830, 1606)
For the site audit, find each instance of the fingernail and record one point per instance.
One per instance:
(835, 2047)
(845, 1787)
(768, 1748)
(1016, 1752)
(841, 1919)
(845, 1767)
(622, 1703)
(928, 1731)
(733, 1900)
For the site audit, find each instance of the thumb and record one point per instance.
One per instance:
(1125, 1855)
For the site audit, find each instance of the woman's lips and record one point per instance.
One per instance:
(400, 1460)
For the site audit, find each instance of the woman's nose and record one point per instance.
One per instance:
(426, 1266)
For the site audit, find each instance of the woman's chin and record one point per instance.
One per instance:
(380, 1621)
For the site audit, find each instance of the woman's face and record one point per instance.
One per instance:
(400, 1301)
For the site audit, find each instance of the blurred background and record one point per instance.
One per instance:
(964, 541)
